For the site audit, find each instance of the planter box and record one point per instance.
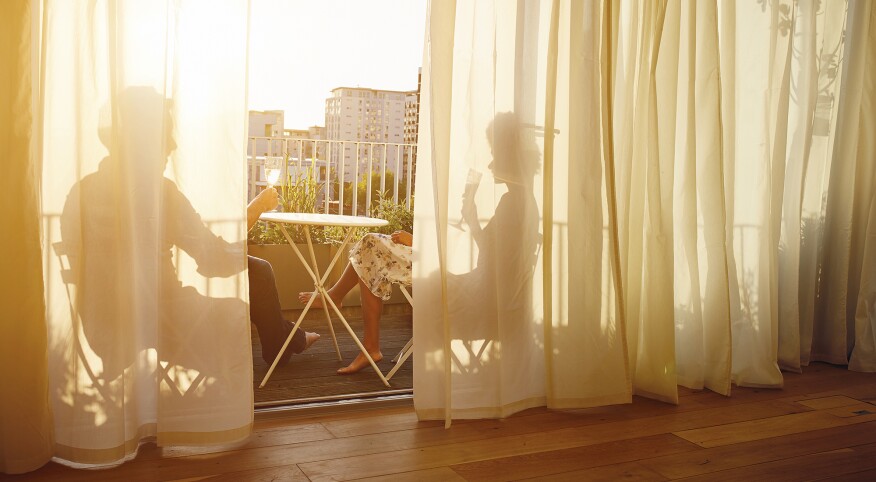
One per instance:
(292, 278)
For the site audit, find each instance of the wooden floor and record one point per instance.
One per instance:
(821, 426)
(312, 374)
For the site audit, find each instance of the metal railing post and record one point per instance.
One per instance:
(396, 178)
(368, 178)
(356, 183)
(383, 171)
(335, 156)
(410, 172)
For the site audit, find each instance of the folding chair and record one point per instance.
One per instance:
(408, 349)
(98, 382)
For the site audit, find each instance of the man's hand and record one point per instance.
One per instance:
(266, 200)
(402, 237)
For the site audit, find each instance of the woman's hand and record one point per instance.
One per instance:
(402, 237)
(469, 211)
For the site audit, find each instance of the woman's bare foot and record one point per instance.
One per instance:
(359, 363)
(304, 297)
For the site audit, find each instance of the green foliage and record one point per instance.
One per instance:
(300, 195)
(400, 217)
(362, 188)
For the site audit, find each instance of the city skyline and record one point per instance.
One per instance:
(376, 45)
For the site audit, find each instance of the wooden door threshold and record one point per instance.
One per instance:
(308, 407)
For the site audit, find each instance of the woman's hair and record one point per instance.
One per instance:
(516, 155)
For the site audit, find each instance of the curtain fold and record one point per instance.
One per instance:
(25, 415)
(852, 210)
(143, 212)
(689, 177)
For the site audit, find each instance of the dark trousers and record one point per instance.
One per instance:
(264, 311)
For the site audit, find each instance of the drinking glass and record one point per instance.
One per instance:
(273, 171)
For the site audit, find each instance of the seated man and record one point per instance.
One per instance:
(264, 301)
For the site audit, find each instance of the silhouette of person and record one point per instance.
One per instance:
(119, 228)
(497, 293)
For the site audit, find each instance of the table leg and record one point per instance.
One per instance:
(286, 343)
(356, 339)
(317, 282)
(319, 288)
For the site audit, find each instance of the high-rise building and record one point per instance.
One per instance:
(372, 121)
(412, 124)
(412, 112)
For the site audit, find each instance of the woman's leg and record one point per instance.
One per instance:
(372, 307)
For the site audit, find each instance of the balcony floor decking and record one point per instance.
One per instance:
(311, 375)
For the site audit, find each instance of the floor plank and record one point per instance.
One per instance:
(541, 464)
(630, 471)
(707, 461)
(829, 402)
(290, 473)
(813, 466)
(862, 476)
(747, 431)
(441, 474)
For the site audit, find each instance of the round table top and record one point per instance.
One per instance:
(319, 219)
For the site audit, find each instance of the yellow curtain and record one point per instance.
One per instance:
(25, 418)
(629, 196)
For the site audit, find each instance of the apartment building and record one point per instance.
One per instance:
(267, 123)
(268, 137)
(372, 121)
(412, 113)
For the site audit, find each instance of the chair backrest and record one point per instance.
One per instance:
(66, 268)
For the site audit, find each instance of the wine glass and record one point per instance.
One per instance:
(273, 170)
(472, 181)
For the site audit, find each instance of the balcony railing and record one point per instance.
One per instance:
(335, 164)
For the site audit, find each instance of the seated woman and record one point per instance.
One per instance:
(376, 262)
(264, 301)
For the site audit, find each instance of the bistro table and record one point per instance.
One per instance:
(348, 223)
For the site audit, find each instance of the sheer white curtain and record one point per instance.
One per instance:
(143, 185)
(668, 216)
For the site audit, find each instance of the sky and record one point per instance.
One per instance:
(302, 49)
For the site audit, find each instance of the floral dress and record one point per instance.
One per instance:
(380, 262)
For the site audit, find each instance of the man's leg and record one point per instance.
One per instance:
(265, 313)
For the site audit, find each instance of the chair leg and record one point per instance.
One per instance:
(408, 349)
(403, 350)
(403, 357)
